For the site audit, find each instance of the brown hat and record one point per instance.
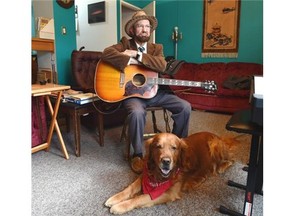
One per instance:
(140, 15)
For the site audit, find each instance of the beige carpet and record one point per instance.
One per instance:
(80, 185)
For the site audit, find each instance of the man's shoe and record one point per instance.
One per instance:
(137, 165)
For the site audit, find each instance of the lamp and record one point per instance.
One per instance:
(175, 37)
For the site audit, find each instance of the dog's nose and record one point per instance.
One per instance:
(166, 161)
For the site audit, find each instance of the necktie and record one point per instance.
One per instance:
(141, 49)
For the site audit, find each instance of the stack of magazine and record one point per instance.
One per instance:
(78, 97)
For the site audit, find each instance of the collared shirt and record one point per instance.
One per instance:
(135, 61)
(145, 47)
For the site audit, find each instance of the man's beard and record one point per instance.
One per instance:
(142, 39)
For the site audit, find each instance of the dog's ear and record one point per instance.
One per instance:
(183, 154)
(148, 153)
(183, 144)
(147, 148)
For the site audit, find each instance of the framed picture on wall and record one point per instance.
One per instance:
(96, 12)
(220, 28)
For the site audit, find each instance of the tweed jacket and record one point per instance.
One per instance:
(154, 59)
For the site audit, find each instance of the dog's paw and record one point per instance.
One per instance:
(224, 166)
(118, 209)
(110, 202)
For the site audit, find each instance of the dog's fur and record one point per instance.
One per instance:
(197, 156)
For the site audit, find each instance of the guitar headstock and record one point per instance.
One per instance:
(210, 86)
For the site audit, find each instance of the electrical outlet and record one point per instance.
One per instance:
(63, 30)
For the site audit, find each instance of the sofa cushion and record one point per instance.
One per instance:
(217, 72)
(238, 69)
(186, 72)
(199, 73)
(209, 72)
(243, 69)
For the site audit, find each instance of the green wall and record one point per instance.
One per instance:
(65, 44)
(188, 16)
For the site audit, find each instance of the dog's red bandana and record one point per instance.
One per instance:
(152, 187)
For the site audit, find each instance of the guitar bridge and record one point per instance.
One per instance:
(122, 79)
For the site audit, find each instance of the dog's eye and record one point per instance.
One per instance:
(158, 146)
(174, 147)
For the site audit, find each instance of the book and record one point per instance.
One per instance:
(81, 102)
(78, 97)
(45, 28)
(70, 92)
(67, 93)
(83, 96)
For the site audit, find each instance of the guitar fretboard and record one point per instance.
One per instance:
(165, 81)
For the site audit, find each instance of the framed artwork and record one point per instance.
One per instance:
(65, 3)
(220, 28)
(96, 12)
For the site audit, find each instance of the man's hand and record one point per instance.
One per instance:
(130, 53)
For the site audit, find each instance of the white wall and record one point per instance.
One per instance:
(96, 36)
(43, 8)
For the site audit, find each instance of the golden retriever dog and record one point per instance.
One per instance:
(172, 166)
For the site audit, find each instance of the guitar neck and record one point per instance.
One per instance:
(166, 81)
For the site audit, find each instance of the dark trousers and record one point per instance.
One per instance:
(136, 108)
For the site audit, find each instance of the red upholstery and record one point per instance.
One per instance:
(223, 100)
(39, 125)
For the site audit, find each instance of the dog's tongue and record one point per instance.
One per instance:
(165, 171)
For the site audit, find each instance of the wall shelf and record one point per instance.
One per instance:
(40, 44)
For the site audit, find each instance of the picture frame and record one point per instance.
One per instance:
(221, 20)
(65, 3)
(96, 12)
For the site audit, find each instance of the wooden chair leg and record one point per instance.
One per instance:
(126, 138)
(166, 119)
(128, 146)
(155, 128)
(124, 131)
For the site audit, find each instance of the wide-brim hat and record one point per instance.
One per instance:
(140, 15)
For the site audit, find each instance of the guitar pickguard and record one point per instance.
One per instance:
(131, 89)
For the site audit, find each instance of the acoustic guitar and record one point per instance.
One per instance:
(112, 85)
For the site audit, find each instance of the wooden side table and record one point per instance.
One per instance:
(75, 111)
(46, 91)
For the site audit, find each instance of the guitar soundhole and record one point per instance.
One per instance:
(139, 80)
